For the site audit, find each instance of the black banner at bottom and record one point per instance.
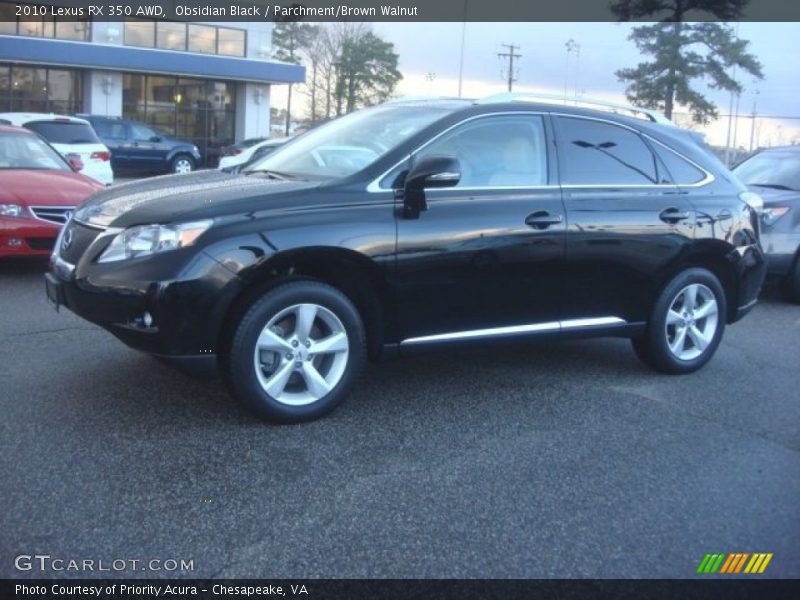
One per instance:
(402, 589)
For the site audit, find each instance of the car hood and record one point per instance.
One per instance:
(40, 187)
(172, 198)
(773, 197)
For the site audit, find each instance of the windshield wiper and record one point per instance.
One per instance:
(775, 186)
(271, 174)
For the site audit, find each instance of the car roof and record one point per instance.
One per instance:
(20, 118)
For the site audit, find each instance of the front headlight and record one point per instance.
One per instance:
(772, 214)
(12, 210)
(151, 239)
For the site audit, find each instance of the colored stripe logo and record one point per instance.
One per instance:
(734, 562)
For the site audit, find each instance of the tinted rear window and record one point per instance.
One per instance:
(598, 153)
(64, 132)
(683, 172)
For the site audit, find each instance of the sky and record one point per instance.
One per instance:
(429, 61)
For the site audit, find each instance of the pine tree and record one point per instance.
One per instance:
(684, 53)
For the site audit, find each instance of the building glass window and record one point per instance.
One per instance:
(171, 36)
(140, 33)
(26, 89)
(37, 28)
(8, 19)
(202, 39)
(197, 110)
(72, 30)
(230, 41)
(44, 26)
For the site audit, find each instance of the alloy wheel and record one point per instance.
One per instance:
(301, 354)
(692, 321)
(183, 165)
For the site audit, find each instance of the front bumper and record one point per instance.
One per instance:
(781, 249)
(171, 305)
(26, 237)
(750, 267)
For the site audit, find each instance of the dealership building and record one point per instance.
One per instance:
(206, 82)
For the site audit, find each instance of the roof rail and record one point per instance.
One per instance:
(652, 115)
(424, 98)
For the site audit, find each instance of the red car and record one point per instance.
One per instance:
(38, 192)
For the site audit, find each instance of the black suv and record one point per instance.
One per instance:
(418, 224)
(139, 148)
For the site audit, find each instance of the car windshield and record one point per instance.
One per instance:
(27, 151)
(350, 143)
(779, 170)
(64, 132)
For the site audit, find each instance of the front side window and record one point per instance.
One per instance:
(142, 132)
(350, 143)
(501, 151)
(599, 153)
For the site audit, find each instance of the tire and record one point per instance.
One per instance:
(694, 331)
(291, 320)
(792, 283)
(182, 163)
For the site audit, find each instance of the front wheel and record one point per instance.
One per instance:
(182, 164)
(686, 323)
(296, 352)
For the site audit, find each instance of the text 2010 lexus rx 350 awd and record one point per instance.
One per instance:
(417, 224)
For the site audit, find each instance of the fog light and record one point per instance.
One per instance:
(15, 242)
(147, 319)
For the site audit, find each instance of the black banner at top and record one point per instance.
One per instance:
(406, 10)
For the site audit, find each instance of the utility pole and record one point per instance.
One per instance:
(510, 55)
(461, 56)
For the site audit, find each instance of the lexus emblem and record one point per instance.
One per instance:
(66, 241)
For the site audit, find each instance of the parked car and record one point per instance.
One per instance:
(233, 164)
(71, 136)
(235, 149)
(415, 225)
(775, 174)
(39, 190)
(140, 148)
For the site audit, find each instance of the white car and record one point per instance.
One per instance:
(250, 155)
(72, 138)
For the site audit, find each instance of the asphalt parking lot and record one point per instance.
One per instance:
(559, 460)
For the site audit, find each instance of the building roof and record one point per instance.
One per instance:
(90, 55)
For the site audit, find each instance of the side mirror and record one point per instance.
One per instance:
(155, 139)
(75, 162)
(430, 172)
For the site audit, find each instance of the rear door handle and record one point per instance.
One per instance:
(542, 219)
(673, 215)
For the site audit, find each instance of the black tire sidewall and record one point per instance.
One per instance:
(653, 347)
(241, 373)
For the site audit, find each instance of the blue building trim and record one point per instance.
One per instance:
(89, 55)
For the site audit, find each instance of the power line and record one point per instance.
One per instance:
(510, 55)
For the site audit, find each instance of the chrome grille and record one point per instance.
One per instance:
(52, 214)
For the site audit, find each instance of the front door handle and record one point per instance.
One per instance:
(542, 219)
(673, 215)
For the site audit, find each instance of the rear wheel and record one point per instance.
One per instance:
(686, 323)
(296, 352)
